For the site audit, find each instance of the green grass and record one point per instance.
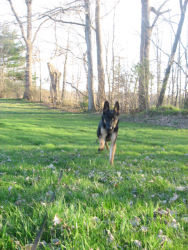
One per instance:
(167, 110)
(142, 199)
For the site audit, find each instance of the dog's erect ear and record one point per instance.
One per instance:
(106, 106)
(116, 108)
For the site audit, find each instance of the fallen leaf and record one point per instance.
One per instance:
(51, 166)
(96, 219)
(173, 224)
(9, 188)
(19, 202)
(56, 220)
(118, 174)
(174, 198)
(28, 247)
(130, 203)
(56, 242)
(144, 229)
(135, 222)
(110, 236)
(161, 212)
(95, 195)
(138, 243)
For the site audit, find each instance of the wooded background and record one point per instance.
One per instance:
(92, 69)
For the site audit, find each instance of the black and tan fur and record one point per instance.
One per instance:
(108, 129)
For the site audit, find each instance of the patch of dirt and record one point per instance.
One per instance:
(176, 121)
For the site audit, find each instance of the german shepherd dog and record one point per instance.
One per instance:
(108, 129)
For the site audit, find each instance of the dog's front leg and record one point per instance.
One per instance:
(112, 152)
(102, 139)
(101, 143)
(113, 148)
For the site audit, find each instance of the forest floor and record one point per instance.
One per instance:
(168, 116)
(51, 172)
(171, 120)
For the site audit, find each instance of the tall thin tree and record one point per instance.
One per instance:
(174, 47)
(91, 104)
(101, 76)
(146, 31)
(28, 40)
(65, 71)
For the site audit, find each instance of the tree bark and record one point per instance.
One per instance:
(144, 56)
(28, 71)
(158, 65)
(91, 104)
(65, 72)
(28, 42)
(171, 58)
(101, 97)
(54, 85)
(113, 58)
(146, 31)
(186, 77)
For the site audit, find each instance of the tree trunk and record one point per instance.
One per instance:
(186, 77)
(28, 42)
(144, 56)
(107, 71)
(2, 79)
(28, 71)
(158, 66)
(91, 105)
(101, 77)
(54, 84)
(113, 58)
(171, 58)
(40, 77)
(173, 74)
(65, 72)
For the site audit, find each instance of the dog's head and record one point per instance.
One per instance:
(110, 118)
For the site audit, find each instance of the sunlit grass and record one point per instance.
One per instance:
(142, 199)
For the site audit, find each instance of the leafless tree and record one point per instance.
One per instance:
(146, 31)
(91, 104)
(183, 7)
(65, 71)
(53, 14)
(101, 76)
(54, 84)
(28, 42)
(186, 77)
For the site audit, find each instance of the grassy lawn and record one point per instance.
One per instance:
(140, 202)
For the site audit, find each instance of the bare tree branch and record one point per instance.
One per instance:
(114, 7)
(72, 86)
(18, 20)
(60, 10)
(75, 1)
(181, 4)
(61, 21)
(158, 12)
(171, 58)
(168, 57)
(36, 32)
